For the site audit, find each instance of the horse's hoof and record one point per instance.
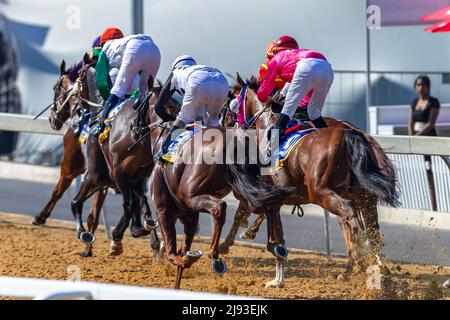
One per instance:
(137, 232)
(224, 248)
(274, 284)
(193, 256)
(219, 266)
(38, 221)
(247, 235)
(150, 225)
(281, 251)
(86, 253)
(87, 238)
(116, 248)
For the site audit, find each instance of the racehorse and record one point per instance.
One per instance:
(73, 163)
(184, 189)
(243, 213)
(337, 168)
(67, 102)
(114, 163)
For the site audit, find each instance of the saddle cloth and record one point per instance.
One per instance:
(110, 120)
(296, 130)
(172, 153)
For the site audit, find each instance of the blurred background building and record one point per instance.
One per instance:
(231, 35)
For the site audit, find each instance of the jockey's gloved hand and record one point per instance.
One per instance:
(319, 123)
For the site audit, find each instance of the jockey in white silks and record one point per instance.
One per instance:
(201, 86)
(132, 56)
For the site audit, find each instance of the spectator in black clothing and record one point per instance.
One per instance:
(424, 110)
(422, 120)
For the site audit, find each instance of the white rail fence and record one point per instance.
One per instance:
(397, 145)
(64, 290)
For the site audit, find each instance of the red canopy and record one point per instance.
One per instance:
(443, 26)
(442, 14)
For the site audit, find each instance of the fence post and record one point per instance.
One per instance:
(326, 223)
(431, 188)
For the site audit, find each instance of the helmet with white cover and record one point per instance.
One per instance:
(183, 61)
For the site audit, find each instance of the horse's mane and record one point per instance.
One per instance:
(73, 71)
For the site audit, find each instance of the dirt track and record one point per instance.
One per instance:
(47, 252)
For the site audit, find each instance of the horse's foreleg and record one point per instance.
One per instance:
(63, 184)
(218, 209)
(242, 214)
(87, 188)
(128, 203)
(136, 229)
(93, 220)
(190, 226)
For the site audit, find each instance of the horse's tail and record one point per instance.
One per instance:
(370, 177)
(245, 179)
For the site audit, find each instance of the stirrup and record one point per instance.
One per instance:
(160, 157)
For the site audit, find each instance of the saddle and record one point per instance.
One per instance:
(172, 153)
(295, 131)
(90, 128)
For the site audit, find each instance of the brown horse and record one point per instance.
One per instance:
(186, 188)
(72, 164)
(243, 213)
(113, 163)
(337, 168)
(67, 100)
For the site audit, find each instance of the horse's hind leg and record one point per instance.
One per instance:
(218, 209)
(242, 214)
(93, 219)
(275, 245)
(346, 217)
(250, 232)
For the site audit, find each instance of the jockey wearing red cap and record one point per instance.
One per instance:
(131, 56)
(110, 34)
(308, 73)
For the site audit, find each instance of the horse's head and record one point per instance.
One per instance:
(64, 103)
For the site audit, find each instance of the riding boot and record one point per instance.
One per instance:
(280, 125)
(166, 144)
(320, 123)
(109, 104)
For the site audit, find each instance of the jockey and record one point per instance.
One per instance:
(131, 56)
(275, 46)
(308, 73)
(201, 86)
